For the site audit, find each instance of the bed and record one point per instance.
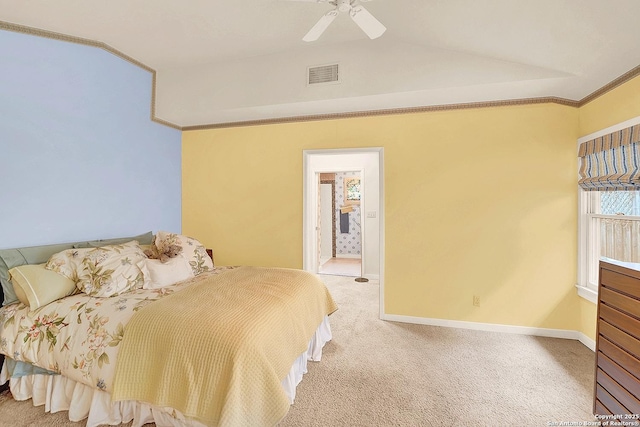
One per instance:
(226, 346)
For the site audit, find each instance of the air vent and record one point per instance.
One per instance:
(323, 74)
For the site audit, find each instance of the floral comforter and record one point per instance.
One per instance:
(77, 336)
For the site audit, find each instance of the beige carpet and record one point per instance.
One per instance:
(377, 373)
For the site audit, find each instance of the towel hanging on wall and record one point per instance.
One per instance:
(344, 223)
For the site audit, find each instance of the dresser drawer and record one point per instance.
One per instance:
(600, 409)
(627, 400)
(618, 355)
(620, 301)
(619, 282)
(624, 322)
(623, 340)
(617, 373)
(609, 402)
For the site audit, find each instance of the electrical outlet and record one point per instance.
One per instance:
(476, 301)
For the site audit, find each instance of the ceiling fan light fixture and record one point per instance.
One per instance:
(361, 16)
(344, 5)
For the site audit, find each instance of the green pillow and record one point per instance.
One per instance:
(143, 239)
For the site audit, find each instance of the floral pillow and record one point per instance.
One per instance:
(67, 262)
(192, 250)
(102, 272)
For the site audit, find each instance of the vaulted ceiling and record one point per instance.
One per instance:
(243, 60)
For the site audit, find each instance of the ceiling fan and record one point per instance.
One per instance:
(361, 16)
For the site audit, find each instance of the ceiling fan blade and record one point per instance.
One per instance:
(320, 26)
(366, 21)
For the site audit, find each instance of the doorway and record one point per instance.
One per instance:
(340, 224)
(369, 163)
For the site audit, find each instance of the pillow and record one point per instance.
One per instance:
(10, 258)
(159, 275)
(192, 250)
(111, 270)
(68, 262)
(36, 286)
(143, 239)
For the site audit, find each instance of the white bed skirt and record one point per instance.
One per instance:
(58, 393)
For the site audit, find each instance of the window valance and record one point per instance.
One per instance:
(611, 162)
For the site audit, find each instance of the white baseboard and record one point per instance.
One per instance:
(494, 327)
(372, 276)
(588, 342)
(351, 256)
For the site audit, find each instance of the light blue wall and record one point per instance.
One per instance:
(80, 157)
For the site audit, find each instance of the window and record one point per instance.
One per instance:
(611, 229)
(609, 195)
(352, 191)
(619, 220)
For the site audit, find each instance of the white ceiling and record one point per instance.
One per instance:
(237, 60)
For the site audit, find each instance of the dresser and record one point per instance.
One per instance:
(617, 367)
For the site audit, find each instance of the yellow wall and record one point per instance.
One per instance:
(477, 202)
(616, 106)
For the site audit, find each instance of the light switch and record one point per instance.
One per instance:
(371, 214)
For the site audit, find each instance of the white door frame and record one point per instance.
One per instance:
(310, 190)
(327, 232)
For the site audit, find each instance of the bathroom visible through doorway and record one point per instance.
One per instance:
(340, 223)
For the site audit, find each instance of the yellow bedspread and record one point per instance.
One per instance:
(218, 350)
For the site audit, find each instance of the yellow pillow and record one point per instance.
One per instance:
(36, 286)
